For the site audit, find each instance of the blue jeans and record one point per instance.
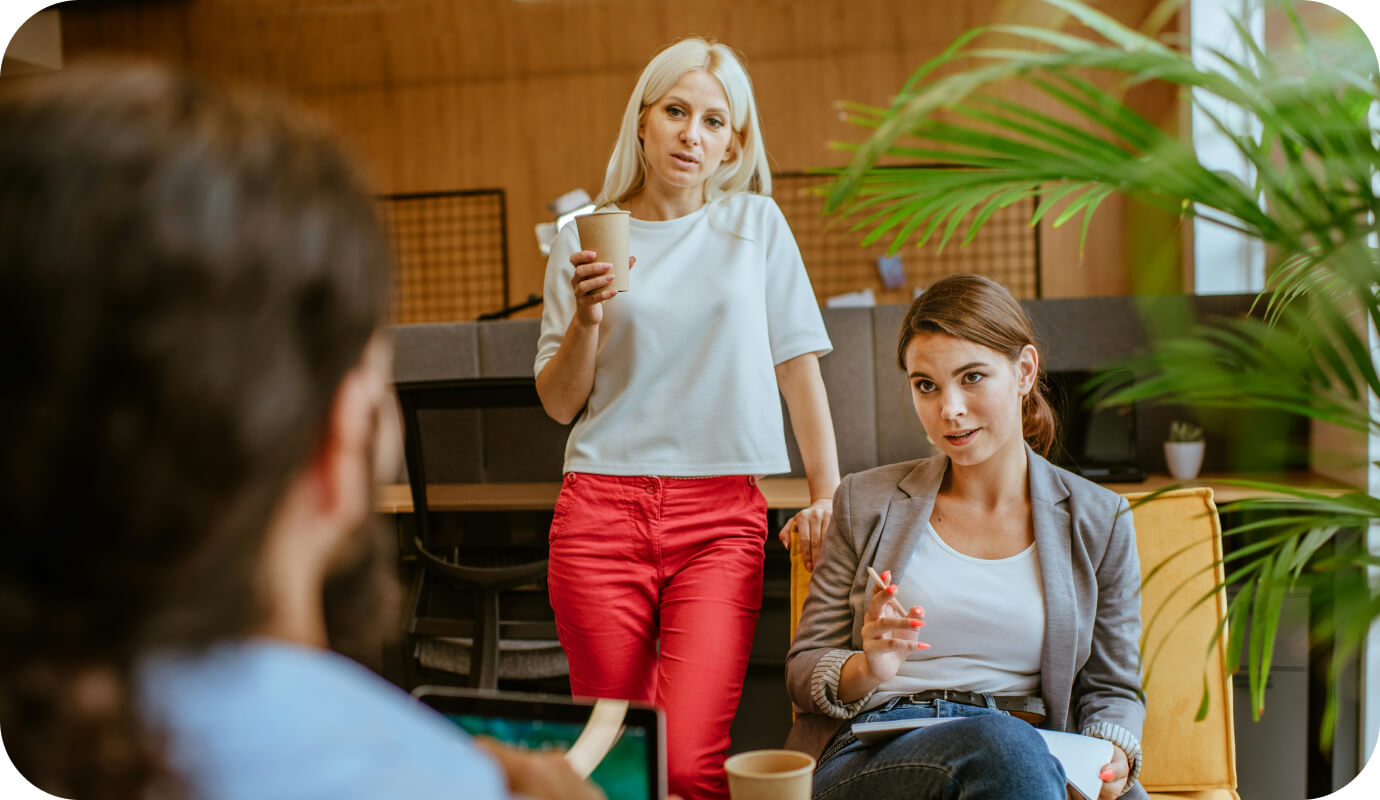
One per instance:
(989, 754)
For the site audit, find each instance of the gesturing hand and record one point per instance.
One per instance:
(591, 284)
(887, 636)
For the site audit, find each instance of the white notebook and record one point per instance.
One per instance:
(1082, 756)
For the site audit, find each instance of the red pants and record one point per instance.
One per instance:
(637, 561)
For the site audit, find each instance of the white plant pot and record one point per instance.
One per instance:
(1184, 459)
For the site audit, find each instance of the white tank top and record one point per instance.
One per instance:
(984, 622)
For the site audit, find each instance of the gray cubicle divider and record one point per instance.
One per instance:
(1083, 333)
(899, 435)
(869, 400)
(521, 444)
(433, 351)
(847, 372)
(488, 445)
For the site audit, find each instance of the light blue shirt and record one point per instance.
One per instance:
(263, 719)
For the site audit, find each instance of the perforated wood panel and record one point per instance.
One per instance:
(404, 94)
(1005, 250)
(451, 254)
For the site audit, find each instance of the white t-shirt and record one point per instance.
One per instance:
(684, 382)
(984, 622)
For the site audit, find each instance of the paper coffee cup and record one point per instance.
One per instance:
(770, 775)
(606, 233)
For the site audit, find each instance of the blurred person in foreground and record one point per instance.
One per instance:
(194, 282)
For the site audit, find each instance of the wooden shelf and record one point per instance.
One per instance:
(395, 498)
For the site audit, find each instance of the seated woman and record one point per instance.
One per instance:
(1024, 576)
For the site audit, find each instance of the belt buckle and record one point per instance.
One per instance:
(961, 697)
(947, 695)
(928, 696)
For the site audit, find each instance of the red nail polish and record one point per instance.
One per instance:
(915, 623)
(891, 589)
(921, 646)
(1107, 774)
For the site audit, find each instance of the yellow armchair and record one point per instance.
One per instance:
(1183, 758)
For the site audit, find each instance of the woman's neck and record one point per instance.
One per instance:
(1001, 480)
(655, 205)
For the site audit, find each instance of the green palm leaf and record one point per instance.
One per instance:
(1312, 202)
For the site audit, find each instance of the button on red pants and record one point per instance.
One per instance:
(641, 561)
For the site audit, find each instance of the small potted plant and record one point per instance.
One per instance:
(1184, 450)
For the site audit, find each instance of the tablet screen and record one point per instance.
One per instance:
(622, 774)
(632, 769)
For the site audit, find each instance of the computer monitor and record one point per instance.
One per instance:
(1098, 443)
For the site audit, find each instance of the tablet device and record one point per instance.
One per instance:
(620, 746)
(1082, 757)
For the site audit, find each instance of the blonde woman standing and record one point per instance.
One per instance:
(658, 535)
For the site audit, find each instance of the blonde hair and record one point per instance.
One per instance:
(746, 172)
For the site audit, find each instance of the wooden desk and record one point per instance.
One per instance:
(395, 498)
(1226, 493)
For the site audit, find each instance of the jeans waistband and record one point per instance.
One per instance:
(1013, 704)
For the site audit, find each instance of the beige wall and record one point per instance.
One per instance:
(526, 95)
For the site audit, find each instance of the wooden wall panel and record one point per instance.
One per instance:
(526, 96)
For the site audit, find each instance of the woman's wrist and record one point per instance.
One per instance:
(821, 475)
(822, 489)
(856, 679)
(581, 325)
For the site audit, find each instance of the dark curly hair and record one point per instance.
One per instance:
(187, 272)
(982, 311)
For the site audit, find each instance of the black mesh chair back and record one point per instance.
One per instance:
(485, 575)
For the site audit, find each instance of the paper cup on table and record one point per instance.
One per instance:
(770, 775)
(606, 233)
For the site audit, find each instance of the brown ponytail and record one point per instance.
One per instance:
(1038, 423)
(981, 311)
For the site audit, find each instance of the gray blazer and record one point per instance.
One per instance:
(1090, 666)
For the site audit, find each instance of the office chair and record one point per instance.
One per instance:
(485, 645)
(1179, 534)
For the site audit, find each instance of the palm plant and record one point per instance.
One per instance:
(1313, 204)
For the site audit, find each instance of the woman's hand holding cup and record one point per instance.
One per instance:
(592, 284)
